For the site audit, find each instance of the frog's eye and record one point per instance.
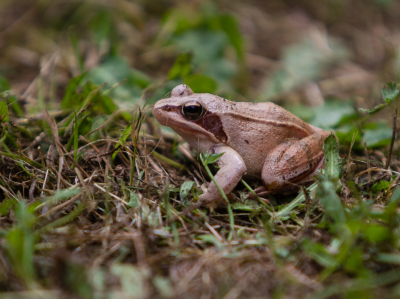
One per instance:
(192, 110)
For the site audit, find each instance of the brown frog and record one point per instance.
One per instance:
(259, 140)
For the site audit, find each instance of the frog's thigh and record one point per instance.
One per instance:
(293, 161)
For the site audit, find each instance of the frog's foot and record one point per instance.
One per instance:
(261, 191)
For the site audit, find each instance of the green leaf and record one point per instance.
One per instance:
(186, 187)
(75, 280)
(379, 186)
(332, 113)
(4, 84)
(201, 83)
(134, 199)
(390, 92)
(376, 233)
(100, 26)
(181, 67)
(302, 62)
(248, 206)
(390, 258)
(318, 252)
(3, 111)
(373, 110)
(67, 101)
(108, 104)
(163, 286)
(333, 167)
(132, 279)
(207, 158)
(20, 241)
(330, 201)
(377, 135)
(211, 239)
(6, 205)
(6, 92)
(230, 26)
(75, 45)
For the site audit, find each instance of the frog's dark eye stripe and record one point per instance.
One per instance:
(192, 110)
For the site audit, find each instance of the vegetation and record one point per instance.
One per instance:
(97, 200)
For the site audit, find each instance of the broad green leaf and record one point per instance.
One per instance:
(333, 167)
(376, 233)
(181, 67)
(6, 205)
(185, 189)
(347, 133)
(3, 111)
(377, 136)
(379, 186)
(332, 113)
(208, 48)
(125, 84)
(390, 92)
(302, 62)
(4, 84)
(330, 201)
(201, 83)
(207, 158)
(354, 262)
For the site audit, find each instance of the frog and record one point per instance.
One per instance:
(258, 140)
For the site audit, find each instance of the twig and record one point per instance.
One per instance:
(368, 166)
(393, 138)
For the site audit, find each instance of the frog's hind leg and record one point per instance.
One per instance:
(294, 161)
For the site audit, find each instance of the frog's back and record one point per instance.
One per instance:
(255, 129)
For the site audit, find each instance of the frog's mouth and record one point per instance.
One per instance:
(209, 124)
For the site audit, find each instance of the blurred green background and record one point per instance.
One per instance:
(320, 59)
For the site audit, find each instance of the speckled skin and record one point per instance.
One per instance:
(260, 140)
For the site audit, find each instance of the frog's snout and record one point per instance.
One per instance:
(181, 90)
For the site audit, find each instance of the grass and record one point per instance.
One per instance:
(98, 200)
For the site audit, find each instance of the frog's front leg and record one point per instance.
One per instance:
(231, 170)
(294, 161)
